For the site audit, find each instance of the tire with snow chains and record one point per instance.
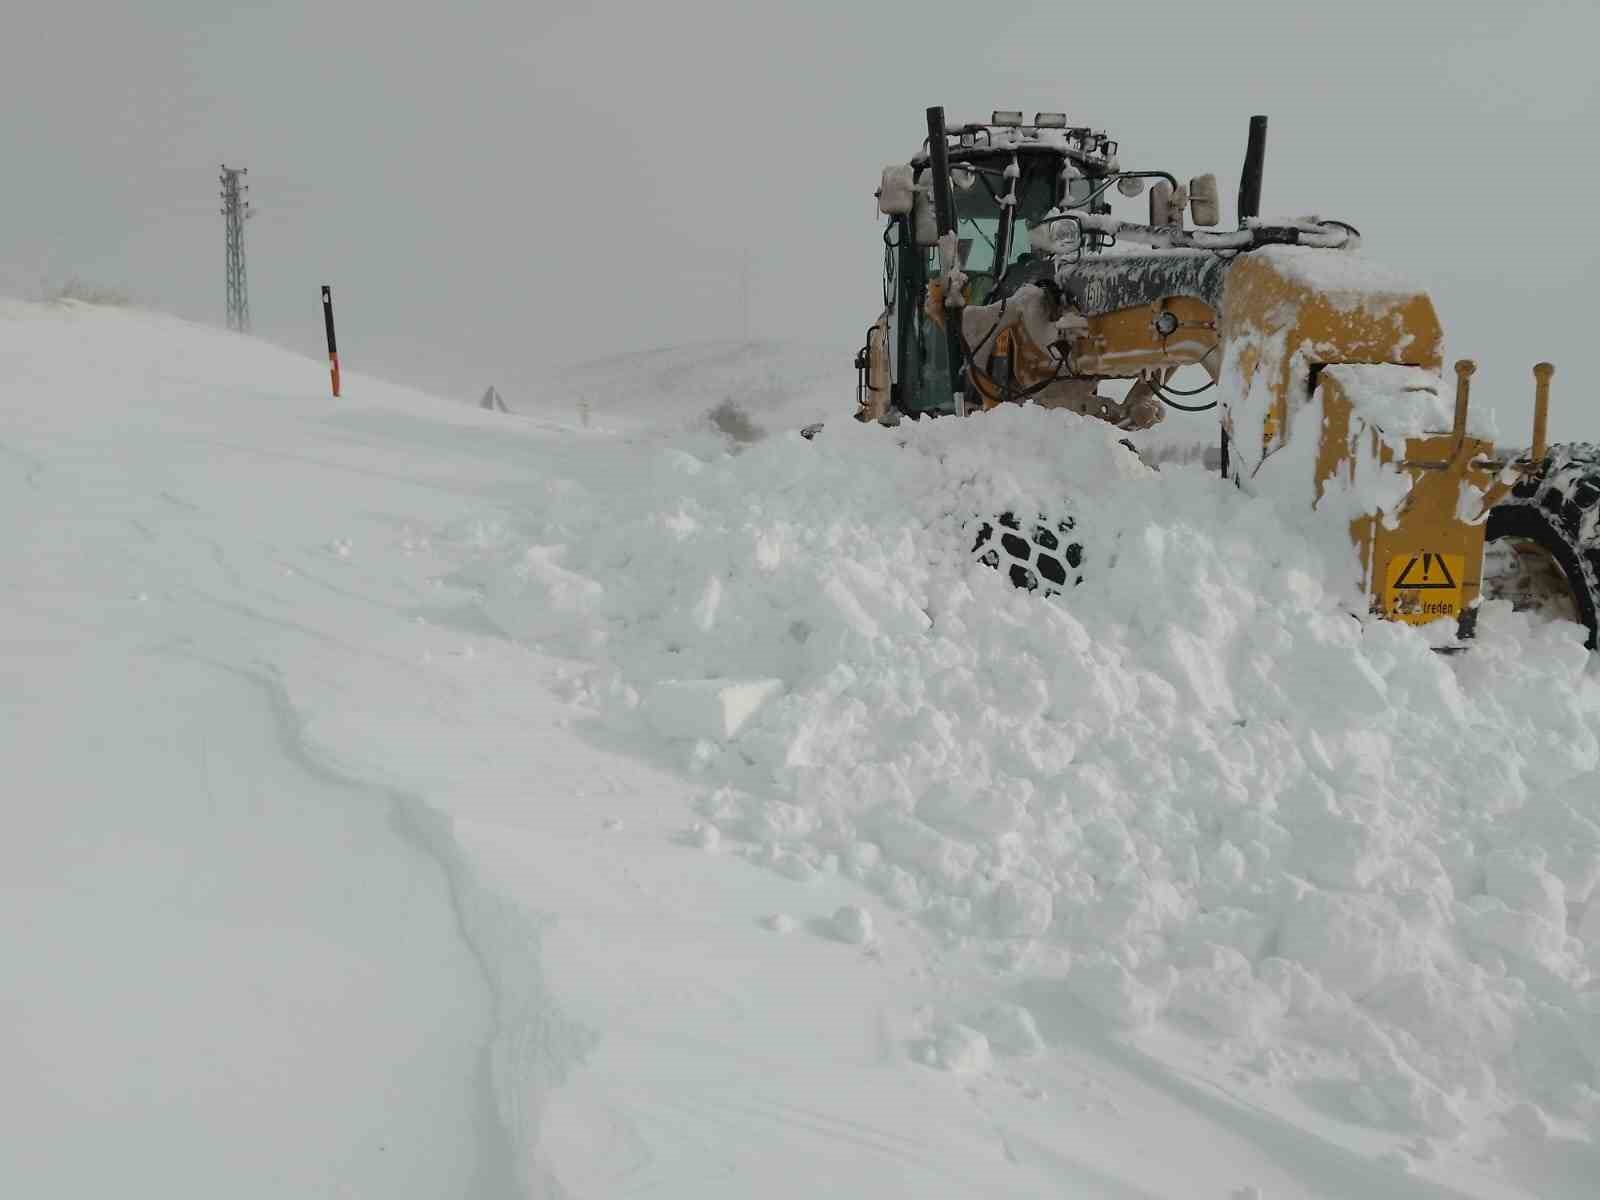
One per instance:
(1039, 555)
(1544, 539)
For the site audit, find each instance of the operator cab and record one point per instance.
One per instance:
(979, 193)
(1035, 171)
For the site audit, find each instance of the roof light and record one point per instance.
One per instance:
(1050, 121)
(1008, 117)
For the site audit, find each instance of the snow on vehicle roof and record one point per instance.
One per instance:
(1078, 141)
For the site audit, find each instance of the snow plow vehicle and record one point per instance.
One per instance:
(1007, 280)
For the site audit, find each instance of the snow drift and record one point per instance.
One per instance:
(780, 845)
(1193, 791)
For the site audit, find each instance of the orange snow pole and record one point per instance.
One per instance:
(333, 345)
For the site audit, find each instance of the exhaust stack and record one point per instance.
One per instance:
(945, 213)
(1255, 154)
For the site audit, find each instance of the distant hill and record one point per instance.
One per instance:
(774, 384)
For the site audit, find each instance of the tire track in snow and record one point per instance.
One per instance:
(760, 1110)
(1026, 1151)
(1322, 1167)
(708, 1115)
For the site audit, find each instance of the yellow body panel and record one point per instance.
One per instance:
(1284, 325)
(1126, 342)
(1423, 562)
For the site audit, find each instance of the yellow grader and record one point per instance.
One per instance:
(1007, 280)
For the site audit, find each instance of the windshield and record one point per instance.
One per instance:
(977, 195)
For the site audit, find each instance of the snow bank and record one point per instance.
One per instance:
(1194, 791)
(233, 965)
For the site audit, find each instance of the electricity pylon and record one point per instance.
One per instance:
(235, 212)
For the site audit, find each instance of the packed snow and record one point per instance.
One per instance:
(608, 796)
(1194, 791)
(1405, 402)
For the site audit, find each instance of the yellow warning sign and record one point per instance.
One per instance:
(1423, 587)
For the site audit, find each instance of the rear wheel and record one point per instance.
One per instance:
(1543, 548)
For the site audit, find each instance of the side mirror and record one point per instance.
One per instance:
(895, 194)
(1160, 202)
(1203, 204)
(1167, 204)
(1130, 186)
(924, 222)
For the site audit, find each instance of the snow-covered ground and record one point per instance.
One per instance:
(408, 800)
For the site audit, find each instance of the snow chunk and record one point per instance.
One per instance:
(1021, 908)
(1518, 878)
(1103, 984)
(852, 924)
(1351, 942)
(960, 1049)
(714, 709)
(706, 836)
(1011, 1029)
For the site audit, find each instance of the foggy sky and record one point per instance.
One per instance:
(495, 190)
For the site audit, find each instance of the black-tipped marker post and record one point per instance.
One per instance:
(333, 344)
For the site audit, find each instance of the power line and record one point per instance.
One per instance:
(235, 212)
